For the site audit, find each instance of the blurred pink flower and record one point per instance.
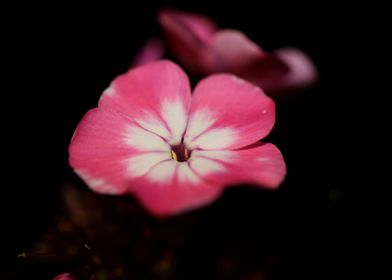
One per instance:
(204, 49)
(152, 50)
(173, 150)
(64, 276)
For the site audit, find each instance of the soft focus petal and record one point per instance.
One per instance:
(260, 164)
(108, 150)
(228, 113)
(302, 72)
(153, 50)
(189, 36)
(157, 96)
(203, 49)
(64, 276)
(234, 51)
(284, 70)
(202, 28)
(172, 187)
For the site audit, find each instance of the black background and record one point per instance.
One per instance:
(63, 56)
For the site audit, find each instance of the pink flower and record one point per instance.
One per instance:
(64, 276)
(173, 150)
(204, 49)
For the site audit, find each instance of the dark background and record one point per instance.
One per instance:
(63, 56)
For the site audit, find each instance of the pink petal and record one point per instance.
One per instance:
(64, 276)
(202, 28)
(302, 72)
(260, 164)
(153, 50)
(157, 96)
(282, 71)
(204, 50)
(171, 187)
(189, 36)
(234, 51)
(228, 113)
(108, 150)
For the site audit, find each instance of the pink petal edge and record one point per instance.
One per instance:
(261, 164)
(171, 188)
(198, 26)
(189, 36)
(234, 51)
(107, 147)
(302, 71)
(228, 113)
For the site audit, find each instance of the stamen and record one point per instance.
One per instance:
(180, 153)
(173, 155)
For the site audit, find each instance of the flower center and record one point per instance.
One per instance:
(180, 153)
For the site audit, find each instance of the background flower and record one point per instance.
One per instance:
(204, 49)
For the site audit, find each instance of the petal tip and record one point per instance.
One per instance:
(303, 71)
(177, 205)
(152, 50)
